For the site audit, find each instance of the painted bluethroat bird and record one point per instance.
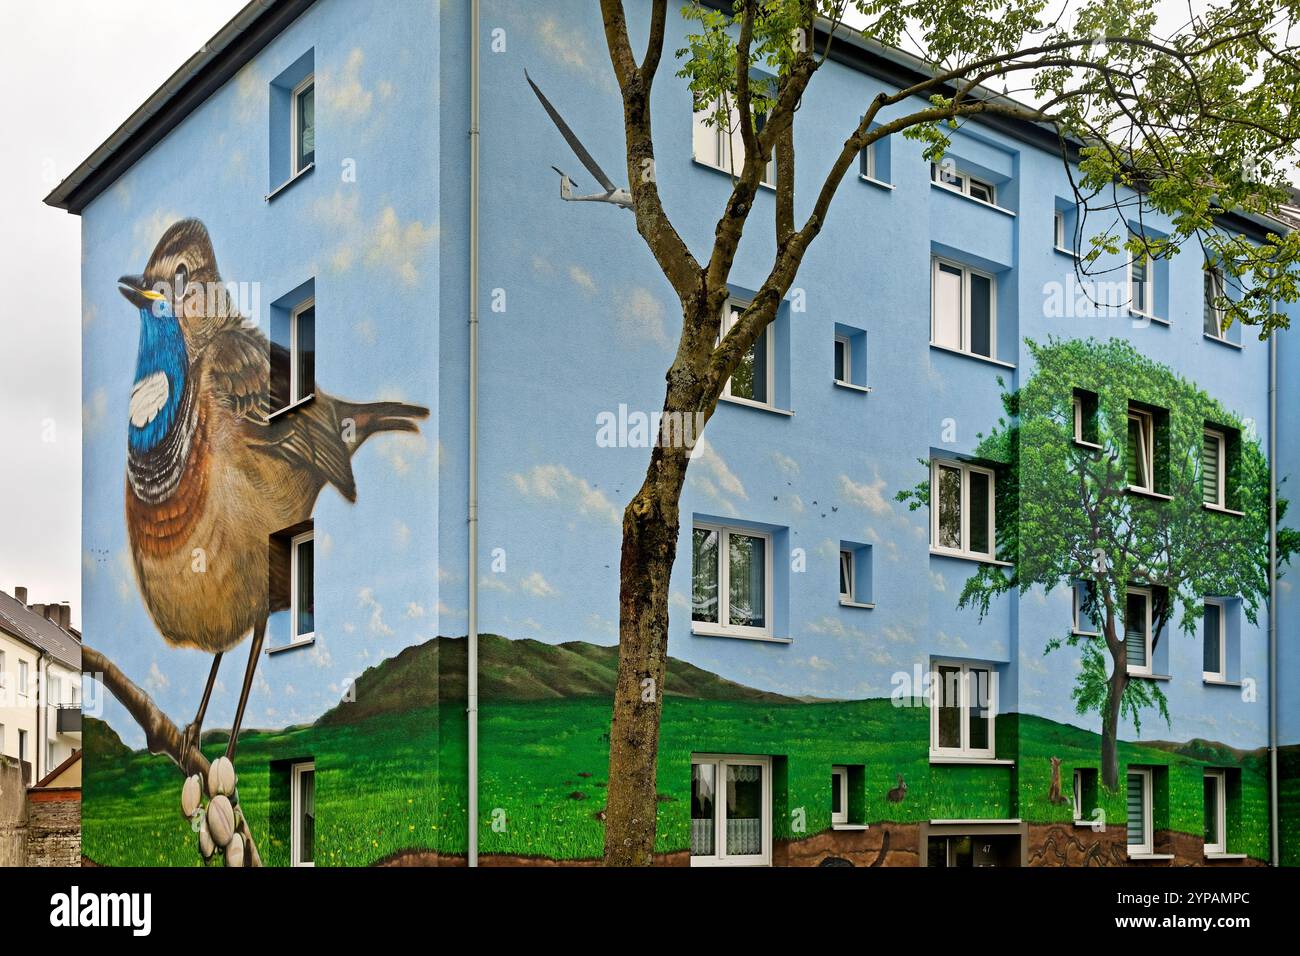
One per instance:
(212, 477)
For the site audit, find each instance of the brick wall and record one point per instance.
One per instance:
(54, 827)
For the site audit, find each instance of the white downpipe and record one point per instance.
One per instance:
(1274, 855)
(472, 636)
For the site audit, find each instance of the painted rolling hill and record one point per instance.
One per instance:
(517, 670)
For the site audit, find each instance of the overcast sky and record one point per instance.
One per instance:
(73, 71)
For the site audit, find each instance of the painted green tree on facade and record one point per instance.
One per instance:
(1109, 482)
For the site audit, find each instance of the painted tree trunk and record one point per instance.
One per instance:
(650, 528)
(1114, 698)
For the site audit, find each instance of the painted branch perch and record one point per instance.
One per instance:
(161, 735)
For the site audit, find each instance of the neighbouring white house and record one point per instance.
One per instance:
(40, 684)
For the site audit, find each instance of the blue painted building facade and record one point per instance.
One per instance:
(577, 323)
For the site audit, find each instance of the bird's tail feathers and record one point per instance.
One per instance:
(372, 417)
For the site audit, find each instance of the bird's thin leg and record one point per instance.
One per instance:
(254, 652)
(192, 735)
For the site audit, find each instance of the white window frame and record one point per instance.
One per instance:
(1076, 403)
(1222, 673)
(294, 636)
(870, 153)
(966, 273)
(1058, 229)
(964, 550)
(1148, 308)
(719, 856)
(24, 678)
(1217, 281)
(848, 571)
(847, 344)
(1076, 591)
(1147, 846)
(4, 674)
(725, 145)
(22, 744)
(1146, 448)
(298, 90)
(1221, 490)
(1078, 794)
(843, 786)
(963, 183)
(296, 394)
(964, 750)
(721, 628)
(1220, 778)
(295, 812)
(53, 689)
(730, 314)
(1147, 625)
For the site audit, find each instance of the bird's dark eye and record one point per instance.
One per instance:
(182, 281)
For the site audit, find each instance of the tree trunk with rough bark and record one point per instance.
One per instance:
(1114, 698)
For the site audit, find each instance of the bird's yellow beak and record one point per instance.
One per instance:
(137, 293)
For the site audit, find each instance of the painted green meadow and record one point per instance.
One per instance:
(396, 782)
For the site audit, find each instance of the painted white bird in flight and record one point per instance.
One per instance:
(612, 194)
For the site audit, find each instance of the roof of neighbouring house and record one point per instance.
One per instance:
(39, 632)
(60, 777)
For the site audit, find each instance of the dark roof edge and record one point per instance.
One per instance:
(259, 22)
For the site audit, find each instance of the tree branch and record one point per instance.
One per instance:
(160, 734)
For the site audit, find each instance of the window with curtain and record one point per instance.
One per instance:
(1139, 811)
(734, 562)
(731, 810)
(1137, 631)
(1213, 461)
(1214, 314)
(752, 380)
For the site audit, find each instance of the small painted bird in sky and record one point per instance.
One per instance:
(213, 479)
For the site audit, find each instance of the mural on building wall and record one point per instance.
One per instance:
(216, 485)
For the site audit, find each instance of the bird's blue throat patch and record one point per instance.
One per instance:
(162, 350)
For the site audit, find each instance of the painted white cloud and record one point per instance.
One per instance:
(366, 601)
(557, 485)
(536, 585)
(869, 495)
(641, 316)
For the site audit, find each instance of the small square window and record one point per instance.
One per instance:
(1214, 468)
(1085, 794)
(1137, 632)
(1215, 315)
(949, 176)
(302, 808)
(293, 355)
(1216, 811)
(302, 577)
(1215, 649)
(1084, 596)
(1140, 460)
(304, 124)
(753, 381)
(843, 359)
(855, 574)
(839, 795)
(1084, 405)
(846, 575)
(1140, 831)
(1141, 269)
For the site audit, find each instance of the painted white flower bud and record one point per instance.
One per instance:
(221, 777)
(206, 846)
(191, 794)
(235, 851)
(221, 819)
